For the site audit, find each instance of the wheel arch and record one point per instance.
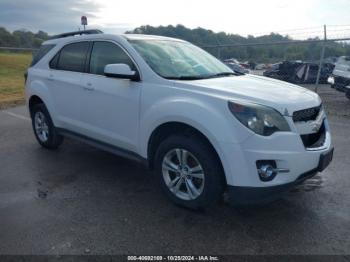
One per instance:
(38, 92)
(34, 100)
(167, 129)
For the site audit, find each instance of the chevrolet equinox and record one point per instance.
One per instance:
(203, 129)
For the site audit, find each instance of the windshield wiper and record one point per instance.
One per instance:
(223, 74)
(185, 77)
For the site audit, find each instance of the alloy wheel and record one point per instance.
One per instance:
(41, 126)
(183, 174)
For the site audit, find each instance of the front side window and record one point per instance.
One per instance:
(73, 56)
(104, 53)
(179, 60)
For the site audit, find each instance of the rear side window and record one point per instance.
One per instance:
(72, 57)
(44, 49)
(104, 53)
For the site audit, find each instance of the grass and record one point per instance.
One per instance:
(12, 69)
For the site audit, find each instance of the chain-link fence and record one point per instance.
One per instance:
(302, 56)
(309, 60)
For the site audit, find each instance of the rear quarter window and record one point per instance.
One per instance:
(44, 49)
(72, 57)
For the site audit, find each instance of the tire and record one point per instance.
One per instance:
(44, 131)
(209, 187)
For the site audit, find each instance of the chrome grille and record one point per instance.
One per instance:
(306, 114)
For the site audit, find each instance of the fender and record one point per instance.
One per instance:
(191, 112)
(38, 88)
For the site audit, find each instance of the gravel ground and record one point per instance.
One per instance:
(335, 102)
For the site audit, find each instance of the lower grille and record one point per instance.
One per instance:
(315, 140)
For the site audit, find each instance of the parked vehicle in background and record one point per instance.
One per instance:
(260, 67)
(340, 78)
(299, 72)
(231, 60)
(245, 65)
(174, 107)
(237, 68)
(307, 73)
(283, 71)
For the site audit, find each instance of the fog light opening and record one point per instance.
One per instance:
(266, 170)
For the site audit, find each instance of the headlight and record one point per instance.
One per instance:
(261, 119)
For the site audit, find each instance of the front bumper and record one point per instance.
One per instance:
(340, 83)
(238, 195)
(289, 152)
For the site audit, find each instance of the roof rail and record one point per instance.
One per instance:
(82, 32)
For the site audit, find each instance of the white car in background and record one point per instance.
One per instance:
(260, 67)
(340, 78)
(171, 105)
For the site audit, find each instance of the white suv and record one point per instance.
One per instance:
(167, 103)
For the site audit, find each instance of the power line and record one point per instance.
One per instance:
(278, 43)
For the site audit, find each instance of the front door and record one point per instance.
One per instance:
(110, 106)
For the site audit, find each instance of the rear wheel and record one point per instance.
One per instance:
(189, 171)
(44, 130)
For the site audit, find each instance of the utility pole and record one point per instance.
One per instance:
(322, 57)
(219, 48)
(219, 53)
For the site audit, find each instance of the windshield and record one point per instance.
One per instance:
(179, 60)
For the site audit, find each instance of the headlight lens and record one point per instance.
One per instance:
(261, 119)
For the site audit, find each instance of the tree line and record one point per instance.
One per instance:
(22, 38)
(203, 37)
(257, 54)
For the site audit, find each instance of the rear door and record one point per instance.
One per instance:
(110, 106)
(65, 78)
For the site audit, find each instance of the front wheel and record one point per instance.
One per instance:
(189, 171)
(44, 130)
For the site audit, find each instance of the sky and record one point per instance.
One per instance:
(244, 17)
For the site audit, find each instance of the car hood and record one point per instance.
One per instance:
(283, 96)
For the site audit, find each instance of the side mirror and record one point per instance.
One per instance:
(122, 71)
